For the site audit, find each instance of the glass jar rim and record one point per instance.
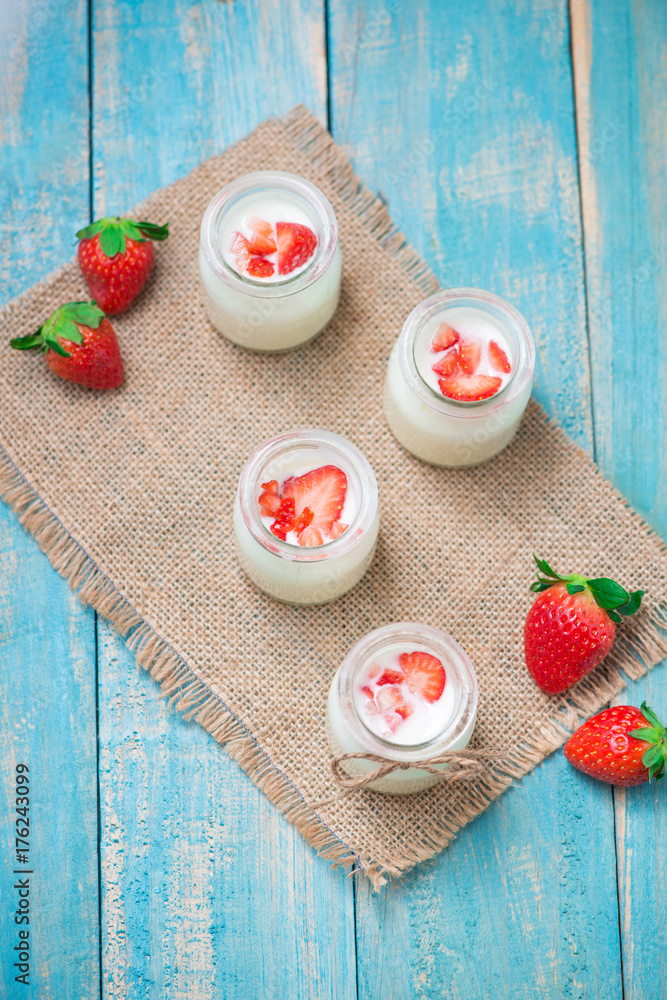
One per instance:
(260, 181)
(455, 660)
(512, 323)
(364, 483)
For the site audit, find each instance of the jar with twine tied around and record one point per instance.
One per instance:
(401, 711)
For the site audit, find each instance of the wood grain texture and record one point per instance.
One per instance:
(463, 117)
(620, 67)
(47, 638)
(207, 890)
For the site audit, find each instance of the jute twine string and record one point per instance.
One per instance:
(461, 765)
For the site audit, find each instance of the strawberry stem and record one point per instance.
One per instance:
(114, 232)
(61, 325)
(655, 758)
(608, 594)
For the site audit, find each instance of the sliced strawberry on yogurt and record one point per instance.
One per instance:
(311, 536)
(469, 388)
(443, 338)
(261, 241)
(323, 491)
(404, 710)
(424, 675)
(303, 520)
(470, 355)
(390, 676)
(285, 517)
(241, 250)
(388, 698)
(498, 359)
(296, 245)
(337, 529)
(258, 267)
(447, 365)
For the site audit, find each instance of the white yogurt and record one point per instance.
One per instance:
(287, 570)
(445, 431)
(278, 312)
(433, 728)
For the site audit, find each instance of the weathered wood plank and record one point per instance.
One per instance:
(47, 638)
(463, 118)
(621, 77)
(207, 890)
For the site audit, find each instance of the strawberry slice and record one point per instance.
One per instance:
(498, 358)
(311, 536)
(444, 337)
(296, 245)
(261, 241)
(259, 268)
(404, 710)
(323, 490)
(241, 250)
(470, 355)
(337, 529)
(303, 520)
(424, 674)
(271, 486)
(284, 521)
(390, 676)
(388, 698)
(447, 365)
(269, 503)
(469, 388)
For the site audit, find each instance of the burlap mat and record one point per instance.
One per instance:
(130, 494)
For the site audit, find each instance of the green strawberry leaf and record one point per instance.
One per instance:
(652, 756)
(575, 588)
(656, 771)
(92, 230)
(154, 232)
(650, 716)
(615, 617)
(28, 342)
(88, 313)
(633, 604)
(607, 593)
(112, 239)
(545, 568)
(648, 735)
(539, 585)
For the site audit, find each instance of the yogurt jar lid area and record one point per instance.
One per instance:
(459, 703)
(296, 453)
(459, 306)
(262, 186)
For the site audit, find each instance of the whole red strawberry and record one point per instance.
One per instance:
(80, 346)
(116, 258)
(622, 745)
(570, 628)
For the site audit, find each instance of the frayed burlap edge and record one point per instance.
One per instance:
(633, 653)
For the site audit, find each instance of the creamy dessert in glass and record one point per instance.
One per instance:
(405, 692)
(459, 377)
(306, 516)
(269, 261)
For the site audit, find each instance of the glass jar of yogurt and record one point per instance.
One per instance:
(269, 261)
(459, 377)
(306, 516)
(405, 692)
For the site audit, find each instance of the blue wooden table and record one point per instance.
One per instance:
(522, 148)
